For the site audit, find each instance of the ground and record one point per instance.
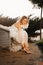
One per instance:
(20, 57)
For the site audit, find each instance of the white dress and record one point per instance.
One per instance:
(20, 36)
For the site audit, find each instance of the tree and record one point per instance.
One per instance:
(40, 4)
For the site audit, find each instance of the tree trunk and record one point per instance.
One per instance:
(40, 23)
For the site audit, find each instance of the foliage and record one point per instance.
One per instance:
(34, 25)
(7, 21)
(38, 2)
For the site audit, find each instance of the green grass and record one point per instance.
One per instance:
(39, 41)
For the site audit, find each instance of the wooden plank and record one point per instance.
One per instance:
(4, 38)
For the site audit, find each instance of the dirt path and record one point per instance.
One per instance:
(20, 58)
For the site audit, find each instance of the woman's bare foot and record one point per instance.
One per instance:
(27, 50)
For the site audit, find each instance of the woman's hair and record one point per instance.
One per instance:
(24, 17)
